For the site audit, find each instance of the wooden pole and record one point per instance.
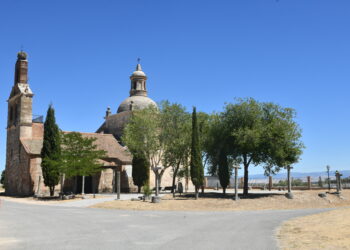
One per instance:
(118, 185)
(83, 186)
(113, 181)
(236, 198)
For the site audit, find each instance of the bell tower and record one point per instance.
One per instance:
(138, 82)
(19, 127)
(20, 100)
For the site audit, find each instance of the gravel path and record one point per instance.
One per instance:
(91, 201)
(26, 226)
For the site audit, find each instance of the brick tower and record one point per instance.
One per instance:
(19, 126)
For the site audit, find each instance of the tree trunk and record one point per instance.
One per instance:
(197, 193)
(138, 189)
(174, 179)
(52, 190)
(224, 190)
(156, 183)
(75, 185)
(62, 185)
(160, 177)
(245, 186)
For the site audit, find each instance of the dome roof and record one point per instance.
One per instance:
(135, 102)
(22, 55)
(138, 73)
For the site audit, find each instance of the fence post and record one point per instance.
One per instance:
(309, 182)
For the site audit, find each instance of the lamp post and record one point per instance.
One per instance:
(157, 179)
(236, 167)
(338, 180)
(329, 181)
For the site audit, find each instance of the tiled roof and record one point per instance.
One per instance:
(105, 142)
(108, 143)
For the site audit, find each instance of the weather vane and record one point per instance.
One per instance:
(138, 60)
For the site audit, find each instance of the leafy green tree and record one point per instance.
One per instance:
(197, 171)
(140, 171)
(215, 146)
(80, 156)
(144, 136)
(162, 136)
(262, 134)
(177, 133)
(50, 151)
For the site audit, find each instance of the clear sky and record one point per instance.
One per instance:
(198, 53)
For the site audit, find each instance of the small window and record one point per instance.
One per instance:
(11, 114)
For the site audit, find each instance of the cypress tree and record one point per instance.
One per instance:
(223, 171)
(197, 171)
(51, 151)
(140, 171)
(2, 178)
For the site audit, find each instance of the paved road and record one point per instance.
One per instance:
(26, 226)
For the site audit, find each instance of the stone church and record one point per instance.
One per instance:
(25, 139)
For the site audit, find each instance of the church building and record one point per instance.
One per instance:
(25, 140)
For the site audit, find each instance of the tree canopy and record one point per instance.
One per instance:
(80, 156)
(177, 133)
(261, 134)
(161, 135)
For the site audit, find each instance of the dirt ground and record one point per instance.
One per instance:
(218, 202)
(329, 230)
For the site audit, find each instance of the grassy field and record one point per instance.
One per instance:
(218, 202)
(329, 230)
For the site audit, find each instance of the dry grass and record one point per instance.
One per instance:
(329, 230)
(218, 202)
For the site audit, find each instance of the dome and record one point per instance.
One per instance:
(135, 102)
(22, 55)
(138, 73)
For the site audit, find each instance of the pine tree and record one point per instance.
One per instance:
(140, 171)
(197, 171)
(51, 151)
(223, 171)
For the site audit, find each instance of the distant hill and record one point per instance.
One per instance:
(323, 174)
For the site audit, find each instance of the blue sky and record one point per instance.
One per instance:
(198, 53)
